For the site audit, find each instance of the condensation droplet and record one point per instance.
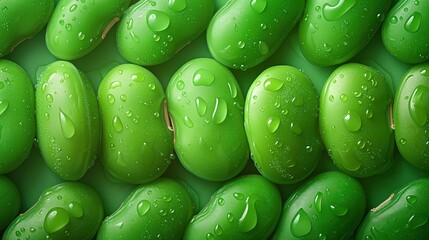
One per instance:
(157, 21)
(258, 5)
(273, 84)
(273, 124)
(301, 224)
(413, 22)
(117, 124)
(352, 121)
(220, 111)
(201, 106)
(143, 207)
(203, 77)
(56, 219)
(67, 126)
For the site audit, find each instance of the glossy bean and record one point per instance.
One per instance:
(243, 34)
(405, 32)
(160, 209)
(151, 32)
(69, 210)
(329, 206)
(247, 207)
(78, 27)
(17, 120)
(137, 146)
(67, 120)
(411, 112)
(332, 32)
(403, 215)
(356, 120)
(281, 120)
(206, 107)
(20, 20)
(10, 201)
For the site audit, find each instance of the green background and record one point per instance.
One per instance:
(33, 175)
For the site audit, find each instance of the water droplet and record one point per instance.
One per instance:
(123, 98)
(218, 230)
(301, 224)
(81, 36)
(4, 104)
(130, 24)
(273, 84)
(349, 161)
(249, 218)
(110, 98)
(327, 47)
(177, 5)
(49, 98)
(416, 221)
(143, 207)
(309, 149)
(343, 97)
(203, 77)
(331, 98)
(360, 144)
(221, 201)
(73, 8)
(352, 121)
(413, 22)
(230, 217)
(263, 26)
(402, 141)
(75, 209)
(273, 124)
(117, 124)
(115, 84)
(418, 105)
(241, 44)
(220, 111)
(369, 114)
(56, 219)
(263, 48)
(210, 236)
(152, 86)
(411, 199)
(157, 21)
(232, 89)
(339, 210)
(67, 125)
(295, 128)
(318, 201)
(188, 122)
(335, 12)
(201, 106)
(180, 85)
(258, 5)
(394, 20)
(134, 36)
(68, 27)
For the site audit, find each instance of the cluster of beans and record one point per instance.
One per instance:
(135, 129)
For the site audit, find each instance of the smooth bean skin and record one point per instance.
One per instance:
(243, 34)
(152, 32)
(411, 112)
(405, 33)
(356, 120)
(332, 32)
(10, 201)
(20, 20)
(160, 209)
(69, 210)
(67, 120)
(404, 215)
(206, 107)
(137, 146)
(329, 206)
(284, 138)
(17, 120)
(77, 27)
(247, 207)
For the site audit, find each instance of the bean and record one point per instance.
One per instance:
(243, 34)
(356, 118)
(20, 20)
(152, 32)
(329, 206)
(332, 32)
(411, 112)
(159, 209)
(206, 107)
(69, 210)
(247, 207)
(17, 120)
(405, 33)
(404, 215)
(10, 201)
(281, 120)
(67, 120)
(137, 146)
